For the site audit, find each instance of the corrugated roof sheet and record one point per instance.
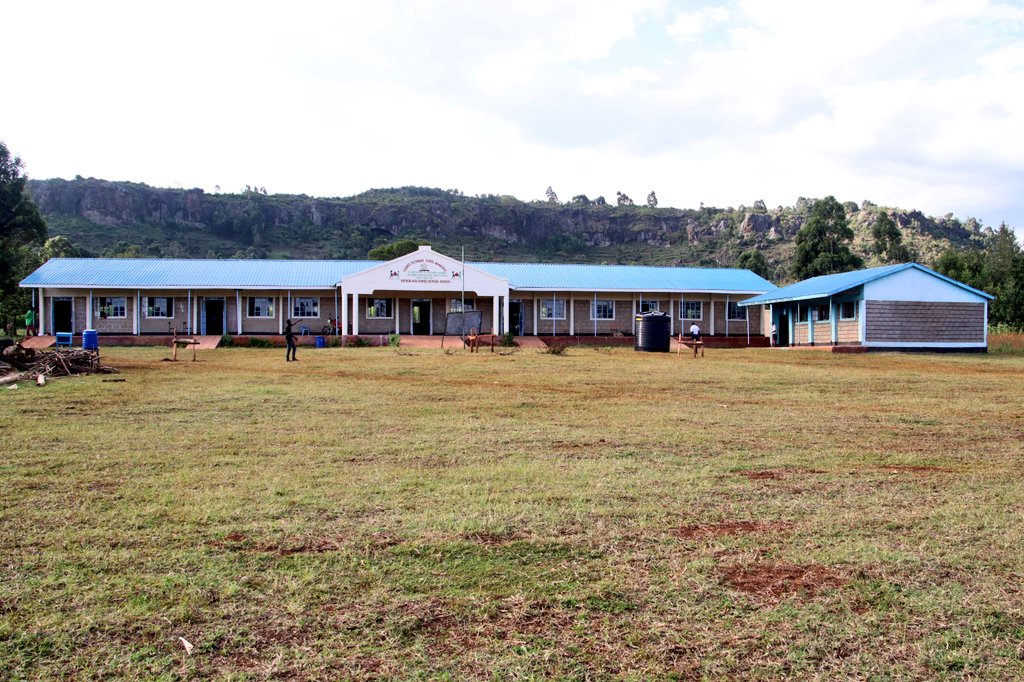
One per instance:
(140, 273)
(830, 285)
(625, 277)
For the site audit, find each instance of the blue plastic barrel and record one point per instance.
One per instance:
(321, 342)
(90, 339)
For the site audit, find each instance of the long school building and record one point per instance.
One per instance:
(411, 294)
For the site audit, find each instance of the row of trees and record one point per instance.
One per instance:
(621, 199)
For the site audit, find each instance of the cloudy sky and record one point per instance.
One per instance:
(912, 103)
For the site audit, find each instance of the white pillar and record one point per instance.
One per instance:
(863, 320)
(535, 314)
(195, 314)
(494, 318)
(280, 317)
(572, 317)
(238, 310)
(727, 314)
(41, 322)
(355, 313)
(337, 322)
(137, 316)
(344, 313)
(671, 315)
(394, 311)
(632, 315)
(504, 314)
(188, 312)
(810, 324)
(88, 312)
(833, 321)
(711, 304)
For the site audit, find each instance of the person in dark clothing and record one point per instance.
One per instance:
(289, 339)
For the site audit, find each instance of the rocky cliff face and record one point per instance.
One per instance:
(110, 217)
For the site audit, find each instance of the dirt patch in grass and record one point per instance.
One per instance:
(778, 474)
(492, 539)
(104, 486)
(313, 545)
(731, 528)
(913, 469)
(772, 582)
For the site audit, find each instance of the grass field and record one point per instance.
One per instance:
(382, 514)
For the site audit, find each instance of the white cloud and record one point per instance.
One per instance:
(690, 25)
(917, 102)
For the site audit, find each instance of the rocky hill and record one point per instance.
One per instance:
(125, 218)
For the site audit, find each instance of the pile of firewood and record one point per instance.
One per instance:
(19, 364)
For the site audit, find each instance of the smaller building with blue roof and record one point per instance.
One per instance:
(894, 307)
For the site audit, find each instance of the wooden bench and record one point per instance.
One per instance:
(697, 345)
(184, 343)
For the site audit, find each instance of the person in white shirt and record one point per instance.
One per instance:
(695, 332)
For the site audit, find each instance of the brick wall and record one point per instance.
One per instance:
(912, 321)
(848, 331)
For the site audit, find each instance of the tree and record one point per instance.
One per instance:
(393, 250)
(58, 247)
(550, 194)
(623, 199)
(652, 200)
(580, 200)
(21, 229)
(755, 262)
(822, 244)
(888, 240)
(600, 201)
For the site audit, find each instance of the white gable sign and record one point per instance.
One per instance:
(424, 270)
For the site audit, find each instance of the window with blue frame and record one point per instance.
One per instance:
(380, 308)
(552, 309)
(602, 309)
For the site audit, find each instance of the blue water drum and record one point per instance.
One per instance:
(321, 342)
(91, 339)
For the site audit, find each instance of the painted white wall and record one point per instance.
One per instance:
(914, 285)
(424, 270)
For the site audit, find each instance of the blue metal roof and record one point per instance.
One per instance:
(140, 273)
(147, 273)
(548, 276)
(830, 285)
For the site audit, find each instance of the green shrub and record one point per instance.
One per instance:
(508, 340)
(260, 343)
(358, 342)
(227, 341)
(394, 340)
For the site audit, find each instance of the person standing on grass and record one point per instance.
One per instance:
(289, 339)
(695, 332)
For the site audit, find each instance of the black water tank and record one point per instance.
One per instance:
(652, 332)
